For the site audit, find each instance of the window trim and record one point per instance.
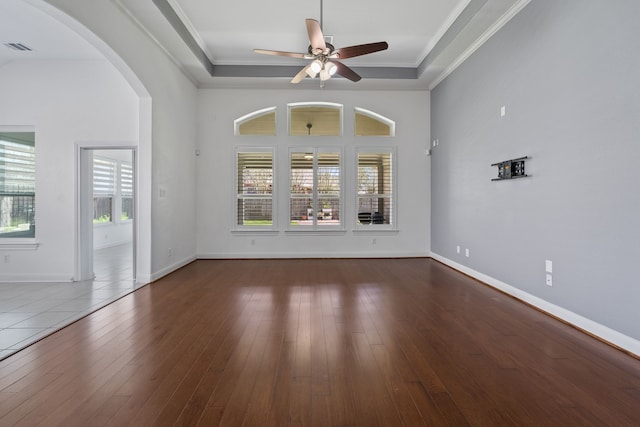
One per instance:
(393, 225)
(274, 196)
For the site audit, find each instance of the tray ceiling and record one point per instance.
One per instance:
(213, 42)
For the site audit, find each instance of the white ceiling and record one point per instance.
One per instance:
(426, 37)
(21, 22)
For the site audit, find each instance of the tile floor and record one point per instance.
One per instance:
(31, 311)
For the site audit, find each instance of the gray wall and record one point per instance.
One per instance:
(568, 74)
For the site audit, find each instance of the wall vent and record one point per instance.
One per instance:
(18, 46)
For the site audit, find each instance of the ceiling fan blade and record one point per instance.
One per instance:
(346, 72)
(280, 53)
(301, 75)
(361, 49)
(315, 35)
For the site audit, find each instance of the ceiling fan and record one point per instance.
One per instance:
(324, 57)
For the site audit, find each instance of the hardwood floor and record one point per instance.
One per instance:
(319, 342)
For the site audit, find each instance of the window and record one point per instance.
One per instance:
(261, 122)
(316, 171)
(104, 190)
(254, 188)
(126, 191)
(17, 184)
(315, 119)
(315, 188)
(375, 188)
(368, 123)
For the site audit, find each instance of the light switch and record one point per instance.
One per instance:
(548, 266)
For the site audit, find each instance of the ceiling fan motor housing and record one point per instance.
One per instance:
(330, 49)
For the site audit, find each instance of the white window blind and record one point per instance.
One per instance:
(126, 191)
(104, 177)
(104, 189)
(126, 179)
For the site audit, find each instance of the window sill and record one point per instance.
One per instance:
(103, 224)
(18, 246)
(261, 231)
(316, 232)
(375, 230)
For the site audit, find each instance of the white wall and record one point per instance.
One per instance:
(112, 234)
(166, 135)
(219, 108)
(66, 102)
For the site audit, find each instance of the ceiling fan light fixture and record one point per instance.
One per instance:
(315, 67)
(331, 68)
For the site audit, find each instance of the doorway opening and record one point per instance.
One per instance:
(107, 237)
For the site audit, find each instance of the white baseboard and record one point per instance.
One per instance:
(35, 278)
(606, 334)
(143, 279)
(166, 270)
(323, 254)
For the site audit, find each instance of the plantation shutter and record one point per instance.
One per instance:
(17, 184)
(254, 188)
(375, 188)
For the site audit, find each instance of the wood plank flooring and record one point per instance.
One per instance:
(383, 342)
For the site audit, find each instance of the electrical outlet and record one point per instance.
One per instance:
(458, 249)
(170, 252)
(549, 280)
(466, 252)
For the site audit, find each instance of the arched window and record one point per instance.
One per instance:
(368, 123)
(315, 119)
(261, 122)
(318, 171)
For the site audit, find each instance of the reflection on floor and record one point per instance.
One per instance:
(31, 311)
(114, 263)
